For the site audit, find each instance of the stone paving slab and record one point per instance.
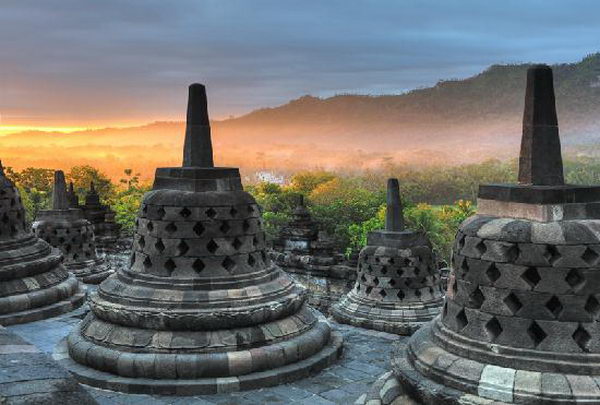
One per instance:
(29, 376)
(366, 356)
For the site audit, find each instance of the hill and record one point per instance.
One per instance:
(455, 121)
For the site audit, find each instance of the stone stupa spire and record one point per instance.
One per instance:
(60, 200)
(394, 217)
(540, 160)
(197, 148)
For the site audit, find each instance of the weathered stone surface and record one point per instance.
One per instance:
(201, 307)
(521, 311)
(31, 377)
(66, 229)
(303, 250)
(33, 283)
(398, 285)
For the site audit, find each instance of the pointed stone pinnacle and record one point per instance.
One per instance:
(59, 192)
(197, 148)
(394, 217)
(71, 187)
(540, 160)
(92, 188)
(1, 169)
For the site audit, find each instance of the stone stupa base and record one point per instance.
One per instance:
(72, 300)
(403, 320)
(430, 375)
(90, 271)
(203, 386)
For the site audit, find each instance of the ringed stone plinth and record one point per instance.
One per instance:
(520, 321)
(66, 229)
(398, 286)
(34, 284)
(201, 309)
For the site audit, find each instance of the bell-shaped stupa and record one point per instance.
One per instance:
(520, 321)
(397, 285)
(34, 284)
(102, 217)
(66, 229)
(201, 309)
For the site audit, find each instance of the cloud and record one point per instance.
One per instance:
(68, 61)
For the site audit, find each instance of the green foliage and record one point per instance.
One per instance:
(82, 176)
(127, 201)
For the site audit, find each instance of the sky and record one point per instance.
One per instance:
(73, 63)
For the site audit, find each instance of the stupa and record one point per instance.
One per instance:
(66, 229)
(201, 309)
(305, 251)
(397, 286)
(520, 321)
(102, 218)
(72, 196)
(34, 285)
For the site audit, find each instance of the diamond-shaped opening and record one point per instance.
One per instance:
(159, 245)
(552, 254)
(417, 271)
(399, 272)
(513, 303)
(382, 293)
(461, 319)
(237, 244)
(233, 212)
(376, 281)
(246, 225)
(185, 212)
(182, 248)
(212, 246)
(575, 280)
(417, 293)
(536, 333)
(251, 260)
(377, 259)
(368, 290)
(493, 329)
(170, 265)
(383, 270)
(464, 267)
(531, 277)
(392, 282)
(255, 241)
(476, 298)
(61, 240)
(161, 212)
(554, 306)
(592, 306)
(198, 229)
(590, 256)
(147, 262)
(493, 273)
(76, 256)
(481, 248)
(225, 227)
(211, 213)
(582, 338)
(400, 295)
(149, 226)
(171, 227)
(198, 265)
(228, 263)
(363, 278)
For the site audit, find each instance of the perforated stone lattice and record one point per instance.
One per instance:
(540, 296)
(198, 241)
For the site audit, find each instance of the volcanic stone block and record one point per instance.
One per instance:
(398, 285)
(201, 309)
(522, 302)
(66, 229)
(34, 284)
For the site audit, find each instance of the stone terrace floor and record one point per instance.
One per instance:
(366, 356)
